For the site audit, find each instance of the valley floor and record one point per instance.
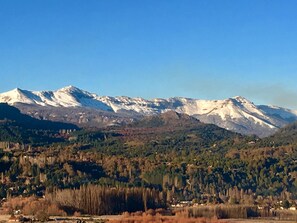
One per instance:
(68, 219)
(121, 218)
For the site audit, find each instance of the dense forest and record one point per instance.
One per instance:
(159, 161)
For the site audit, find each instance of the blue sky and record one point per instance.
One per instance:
(204, 49)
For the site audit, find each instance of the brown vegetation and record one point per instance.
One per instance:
(224, 211)
(98, 200)
(152, 216)
(38, 207)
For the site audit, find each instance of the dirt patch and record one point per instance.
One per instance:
(4, 218)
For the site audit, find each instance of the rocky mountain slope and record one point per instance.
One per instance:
(77, 106)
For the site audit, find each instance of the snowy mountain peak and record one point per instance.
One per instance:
(236, 113)
(241, 99)
(16, 95)
(70, 89)
(16, 91)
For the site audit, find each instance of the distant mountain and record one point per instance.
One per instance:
(77, 106)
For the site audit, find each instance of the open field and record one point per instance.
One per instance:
(149, 219)
(4, 218)
(70, 219)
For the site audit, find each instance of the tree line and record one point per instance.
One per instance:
(98, 200)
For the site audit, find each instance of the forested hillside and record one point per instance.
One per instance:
(176, 155)
(17, 127)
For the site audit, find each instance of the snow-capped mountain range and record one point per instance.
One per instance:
(78, 106)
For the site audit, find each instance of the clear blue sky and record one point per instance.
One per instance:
(152, 48)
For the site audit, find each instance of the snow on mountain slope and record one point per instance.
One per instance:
(17, 95)
(237, 114)
(65, 97)
(282, 113)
